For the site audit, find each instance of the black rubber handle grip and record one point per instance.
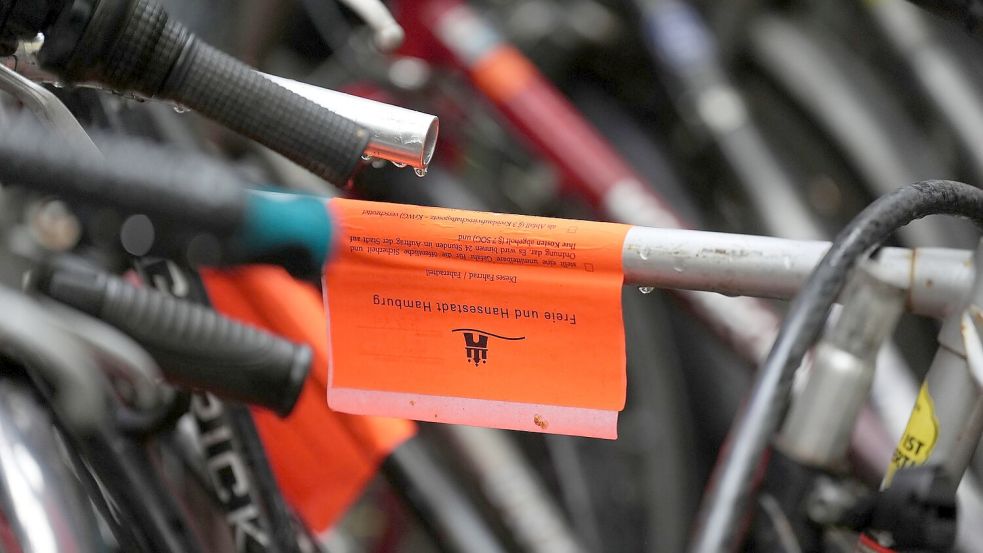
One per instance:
(133, 45)
(194, 346)
(188, 189)
(223, 88)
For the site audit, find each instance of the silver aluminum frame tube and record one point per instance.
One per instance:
(936, 280)
(954, 386)
(400, 135)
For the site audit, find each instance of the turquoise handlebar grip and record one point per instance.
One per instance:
(291, 230)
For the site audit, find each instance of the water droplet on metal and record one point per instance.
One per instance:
(787, 262)
(58, 84)
(420, 172)
(366, 157)
(181, 109)
(646, 289)
(398, 164)
(644, 253)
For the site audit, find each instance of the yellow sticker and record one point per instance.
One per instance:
(919, 437)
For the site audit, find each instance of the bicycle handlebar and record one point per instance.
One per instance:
(194, 346)
(187, 193)
(190, 190)
(134, 45)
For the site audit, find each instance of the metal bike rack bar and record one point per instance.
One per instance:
(936, 280)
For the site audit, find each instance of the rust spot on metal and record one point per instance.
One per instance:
(540, 422)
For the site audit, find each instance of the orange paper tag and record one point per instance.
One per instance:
(485, 319)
